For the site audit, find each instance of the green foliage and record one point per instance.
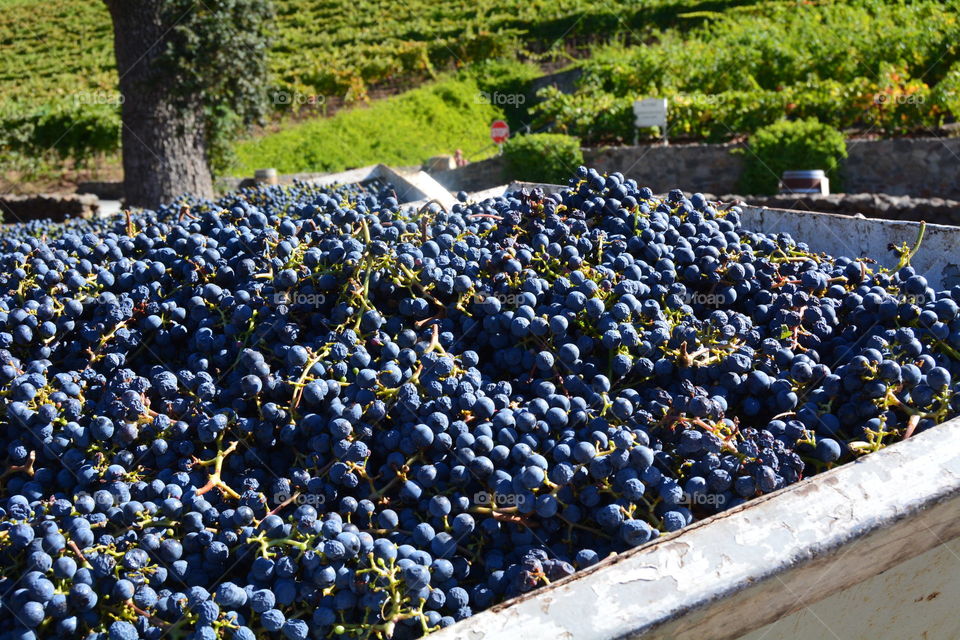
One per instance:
(543, 157)
(56, 71)
(218, 49)
(748, 68)
(891, 107)
(784, 43)
(594, 116)
(367, 42)
(60, 53)
(80, 131)
(790, 145)
(506, 85)
(403, 130)
(946, 95)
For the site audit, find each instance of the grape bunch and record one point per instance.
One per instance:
(303, 412)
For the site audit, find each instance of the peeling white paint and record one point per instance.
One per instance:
(646, 591)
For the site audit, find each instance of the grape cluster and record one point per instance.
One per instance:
(301, 412)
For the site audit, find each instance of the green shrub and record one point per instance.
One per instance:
(63, 129)
(946, 95)
(790, 145)
(594, 117)
(543, 157)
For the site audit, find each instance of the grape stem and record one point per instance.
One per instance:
(911, 425)
(26, 467)
(279, 507)
(907, 256)
(215, 481)
(76, 550)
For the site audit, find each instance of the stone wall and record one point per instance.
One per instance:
(696, 167)
(48, 207)
(921, 167)
(102, 189)
(692, 167)
(925, 167)
(476, 176)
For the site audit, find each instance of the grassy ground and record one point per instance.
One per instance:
(403, 130)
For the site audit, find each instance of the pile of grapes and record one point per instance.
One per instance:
(310, 413)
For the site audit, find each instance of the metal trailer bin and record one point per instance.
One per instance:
(868, 550)
(412, 187)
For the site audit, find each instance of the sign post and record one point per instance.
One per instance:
(499, 132)
(651, 112)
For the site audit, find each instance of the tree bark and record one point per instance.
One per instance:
(164, 140)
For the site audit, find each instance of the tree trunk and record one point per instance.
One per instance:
(164, 141)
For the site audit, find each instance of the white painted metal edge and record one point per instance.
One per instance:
(412, 187)
(839, 235)
(493, 192)
(345, 177)
(736, 571)
(416, 186)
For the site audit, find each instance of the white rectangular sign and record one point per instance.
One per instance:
(651, 112)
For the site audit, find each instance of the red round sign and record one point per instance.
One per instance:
(499, 131)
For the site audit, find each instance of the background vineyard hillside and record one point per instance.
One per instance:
(888, 68)
(729, 68)
(324, 52)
